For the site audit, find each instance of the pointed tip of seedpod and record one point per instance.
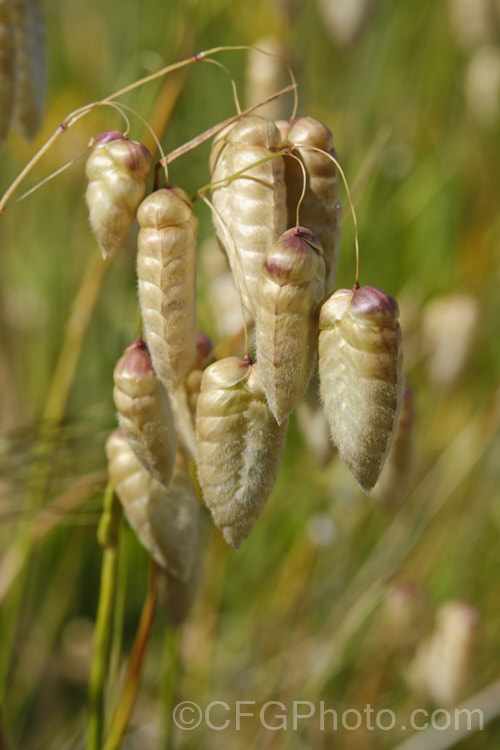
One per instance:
(234, 536)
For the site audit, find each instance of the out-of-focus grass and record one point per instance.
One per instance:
(287, 617)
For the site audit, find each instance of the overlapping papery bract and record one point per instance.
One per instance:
(116, 170)
(167, 281)
(144, 412)
(166, 520)
(320, 209)
(360, 363)
(250, 210)
(239, 446)
(290, 289)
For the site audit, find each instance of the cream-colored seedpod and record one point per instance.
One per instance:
(361, 383)
(250, 210)
(166, 520)
(29, 28)
(393, 481)
(7, 67)
(144, 412)
(239, 446)
(443, 664)
(186, 396)
(320, 210)
(166, 269)
(290, 290)
(116, 170)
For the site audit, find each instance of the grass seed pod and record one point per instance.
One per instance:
(290, 290)
(30, 66)
(166, 271)
(320, 210)
(7, 67)
(250, 211)
(393, 481)
(239, 446)
(144, 412)
(444, 663)
(360, 361)
(166, 520)
(116, 170)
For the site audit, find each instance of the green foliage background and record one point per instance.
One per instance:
(284, 618)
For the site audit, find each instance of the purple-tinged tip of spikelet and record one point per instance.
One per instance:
(109, 135)
(135, 361)
(294, 257)
(204, 352)
(378, 306)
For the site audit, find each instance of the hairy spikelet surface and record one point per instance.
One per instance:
(167, 281)
(166, 521)
(360, 361)
(320, 210)
(29, 28)
(239, 446)
(116, 170)
(7, 67)
(144, 412)
(250, 210)
(393, 481)
(290, 290)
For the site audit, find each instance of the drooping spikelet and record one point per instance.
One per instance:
(7, 67)
(166, 520)
(444, 663)
(290, 290)
(393, 481)
(30, 66)
(185, 398)
(144, 412)
(250, 210)
(239, 446)
(320, 210)
(167, 281)
(116, 170)
(360, 361)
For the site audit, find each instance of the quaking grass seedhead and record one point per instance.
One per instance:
(290, 290)
(239, 446)
(360, 370)
(116, 170)
(144, 412)
(166, 520)
(166, 270)
(249, 210)
(320, 209)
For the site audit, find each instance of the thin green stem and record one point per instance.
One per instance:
(125, 706)
(108, 535)
(168, 690)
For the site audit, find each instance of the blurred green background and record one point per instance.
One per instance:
(332, 595)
